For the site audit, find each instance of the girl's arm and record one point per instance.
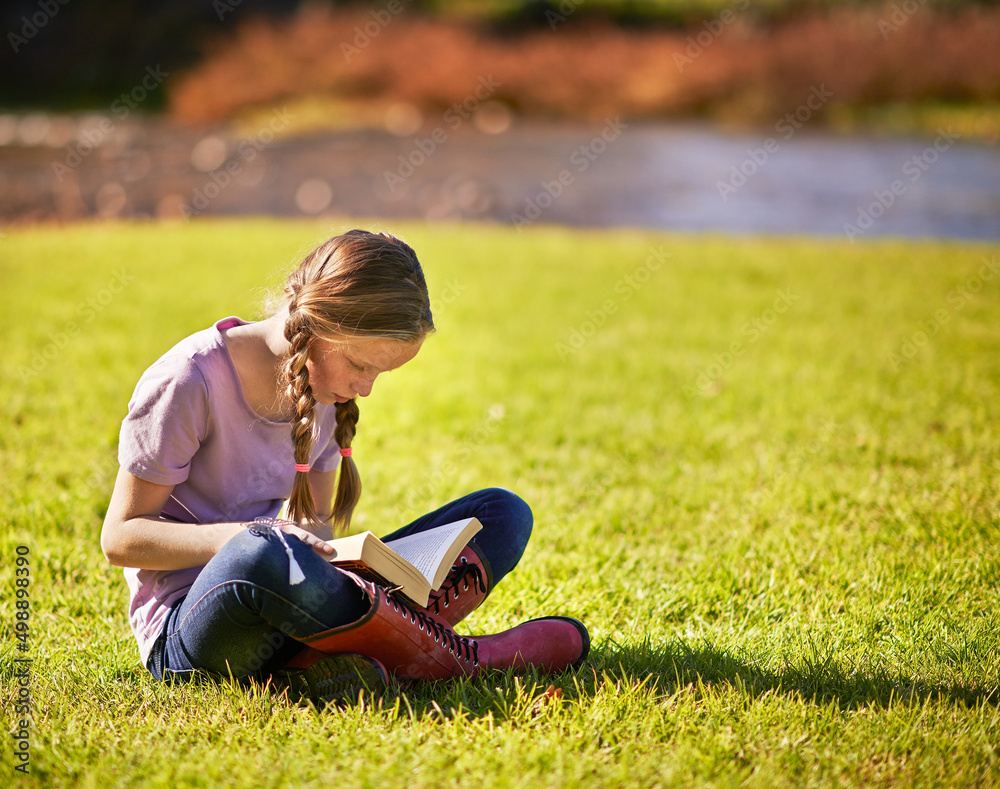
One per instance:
(134, 534)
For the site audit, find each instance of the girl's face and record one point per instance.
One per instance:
(344, 369)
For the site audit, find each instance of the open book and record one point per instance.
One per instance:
(417, 564)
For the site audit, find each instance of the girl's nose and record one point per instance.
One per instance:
(363, 386)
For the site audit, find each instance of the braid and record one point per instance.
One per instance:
(301, 504)
(349, 484)
(357, 284)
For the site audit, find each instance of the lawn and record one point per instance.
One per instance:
(765, 473)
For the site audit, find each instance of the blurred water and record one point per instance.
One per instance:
(810, 184)
(661, 176)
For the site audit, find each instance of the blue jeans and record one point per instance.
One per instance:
(243, 618)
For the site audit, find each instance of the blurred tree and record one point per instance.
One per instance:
(71, 54)
(75, 54)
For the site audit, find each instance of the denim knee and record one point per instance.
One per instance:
(507, 522)
(517, 516)
(258, 556)
(254, 554)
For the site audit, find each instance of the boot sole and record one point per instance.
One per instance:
(335, 679)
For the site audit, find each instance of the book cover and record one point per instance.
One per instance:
(415, 565)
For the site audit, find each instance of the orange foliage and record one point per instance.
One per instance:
(587, 70)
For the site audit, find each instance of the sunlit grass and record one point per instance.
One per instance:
(778, 522)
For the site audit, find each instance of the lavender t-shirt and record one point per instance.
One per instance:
(189, 425)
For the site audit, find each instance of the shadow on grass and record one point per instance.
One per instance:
(645, 669)
(821, 680)
(663, 670)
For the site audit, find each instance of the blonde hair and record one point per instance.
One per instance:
(358, 284)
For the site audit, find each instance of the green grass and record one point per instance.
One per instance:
(787, 556)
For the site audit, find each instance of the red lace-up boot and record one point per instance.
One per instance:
(464, 589)
(413, 644)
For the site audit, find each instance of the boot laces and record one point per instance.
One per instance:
(464, 573)
(462, 647)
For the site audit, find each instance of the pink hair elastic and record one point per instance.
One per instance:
(345, 452)
(302, 467)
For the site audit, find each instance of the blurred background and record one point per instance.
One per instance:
(855, 119)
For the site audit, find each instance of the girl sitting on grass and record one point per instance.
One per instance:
(241, 416)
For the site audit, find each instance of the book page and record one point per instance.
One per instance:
(433, 551)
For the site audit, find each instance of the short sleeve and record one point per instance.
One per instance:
(166, 423)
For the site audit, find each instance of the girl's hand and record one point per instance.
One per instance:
(316, 543)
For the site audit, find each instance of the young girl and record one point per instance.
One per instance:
(239, 417)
